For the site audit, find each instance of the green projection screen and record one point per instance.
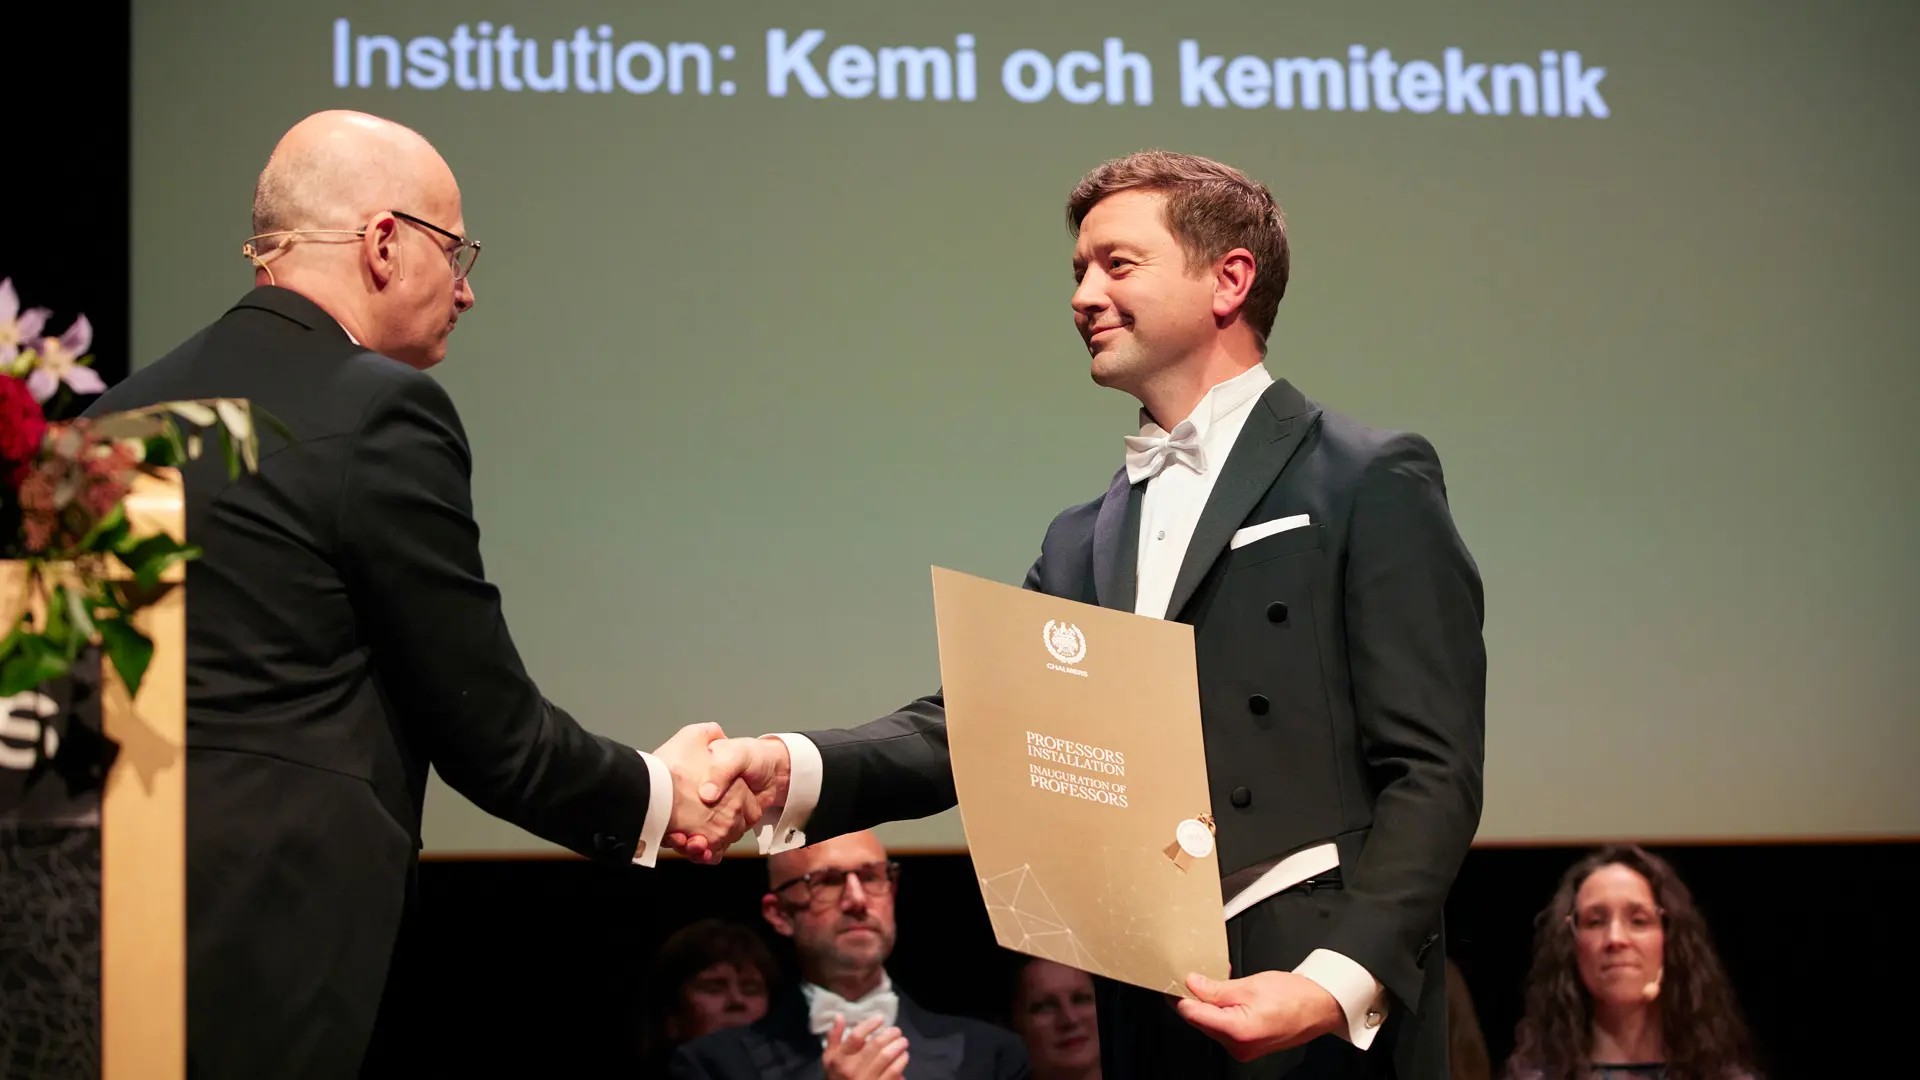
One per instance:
(773, 315)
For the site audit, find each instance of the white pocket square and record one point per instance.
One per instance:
(1265, 529)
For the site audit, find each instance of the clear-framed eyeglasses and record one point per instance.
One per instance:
(461, 256)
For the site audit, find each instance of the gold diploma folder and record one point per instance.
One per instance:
(1082, 780)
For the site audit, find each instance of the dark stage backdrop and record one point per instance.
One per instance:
(64, 196)
(539, 963)
(533, 965)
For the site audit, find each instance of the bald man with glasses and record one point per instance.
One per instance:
(846, 1020)
(342, 636)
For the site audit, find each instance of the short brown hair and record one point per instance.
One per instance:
(689, 951)
(1211, 209)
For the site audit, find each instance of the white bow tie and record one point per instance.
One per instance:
(1148, 454)
(823, 1005)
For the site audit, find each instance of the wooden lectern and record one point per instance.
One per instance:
(93, 844)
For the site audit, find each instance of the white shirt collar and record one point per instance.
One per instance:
(823, 1005)
(1222, 399)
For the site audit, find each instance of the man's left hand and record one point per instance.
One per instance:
(1264, 1012)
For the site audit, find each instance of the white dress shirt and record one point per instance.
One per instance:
(1170, 507)
(659, 810)
(1169, 510)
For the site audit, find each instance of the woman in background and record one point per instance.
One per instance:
(1053, 1013)
(710, 975)
(1625, 983)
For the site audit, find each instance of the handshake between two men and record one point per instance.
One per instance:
(722, 787)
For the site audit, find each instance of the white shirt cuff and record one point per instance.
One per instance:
(1360, 995)
(804, 773)
(659, 810)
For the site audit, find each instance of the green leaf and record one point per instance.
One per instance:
(124, 541)
(164, 450)
(59, 632)
(117, 538)
(107, 594)
(12, 640)
(183, 450)
(151, 557)
(107, 532)
(233, 454)
(35, 660)
(272, 421)
(77, 615)
(129, 650)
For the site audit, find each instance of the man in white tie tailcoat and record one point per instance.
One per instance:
(1337, 620)
(846, 1020)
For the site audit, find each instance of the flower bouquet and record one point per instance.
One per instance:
(78, 560)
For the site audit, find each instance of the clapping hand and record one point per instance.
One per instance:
(865, 1053)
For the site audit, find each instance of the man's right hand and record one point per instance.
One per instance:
(703, 828)
(763, 764)
(861, 1054)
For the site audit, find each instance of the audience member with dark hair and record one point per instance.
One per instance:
(709, 976)
(1626, 982)
(1051, 1008)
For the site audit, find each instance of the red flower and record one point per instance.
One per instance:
(22, 427)
(39, 513)
(108, 469)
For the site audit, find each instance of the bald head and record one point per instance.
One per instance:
(842, 928)
(332, 169)
(371, 230)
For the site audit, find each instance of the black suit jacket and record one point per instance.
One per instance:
(779, 1046)
(1342, 681)
(341, 638)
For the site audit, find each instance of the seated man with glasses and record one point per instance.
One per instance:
(846, 1021)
